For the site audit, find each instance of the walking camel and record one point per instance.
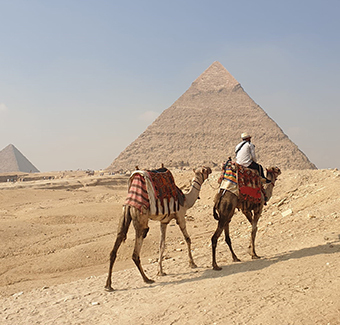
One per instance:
(224, 209)
(140, 222)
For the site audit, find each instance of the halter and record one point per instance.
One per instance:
(194, 181)
(275, 173)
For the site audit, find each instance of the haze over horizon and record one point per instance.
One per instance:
(81, 80)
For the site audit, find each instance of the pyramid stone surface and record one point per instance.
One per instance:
(203, 127)
(12, 160)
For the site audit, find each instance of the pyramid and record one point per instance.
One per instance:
(203, 127)
(12, 160)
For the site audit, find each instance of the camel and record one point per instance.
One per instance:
(224, 209)
(140, 222)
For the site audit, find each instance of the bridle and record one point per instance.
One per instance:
(204, 174)
(194, 181)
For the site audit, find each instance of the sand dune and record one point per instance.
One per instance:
(56, 236)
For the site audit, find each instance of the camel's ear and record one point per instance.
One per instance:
(194, 170)
(207, 170)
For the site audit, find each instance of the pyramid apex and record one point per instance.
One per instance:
(217, 63)
(10, 147)
(215, 78)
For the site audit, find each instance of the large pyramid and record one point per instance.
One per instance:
(203, 127)
(12, 160)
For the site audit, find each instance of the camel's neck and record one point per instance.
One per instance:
(269, 189)
(194, 192)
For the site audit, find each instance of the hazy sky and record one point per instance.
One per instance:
(80, 80)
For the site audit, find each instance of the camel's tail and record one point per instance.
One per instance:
(217, 201)
(215, 213)
(124, 222)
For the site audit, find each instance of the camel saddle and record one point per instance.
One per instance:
(241, 181)
(154, 189)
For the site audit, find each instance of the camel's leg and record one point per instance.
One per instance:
(226, 209)
(228, 241)
(162, 248)
(113, 256)
(123, 228)
(253, 236)
(253, 219)
(181, 222)
(142, 229)
(214, 239)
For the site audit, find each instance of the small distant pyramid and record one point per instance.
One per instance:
(205, 124)
(12, 160)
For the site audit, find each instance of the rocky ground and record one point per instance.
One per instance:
(56, 236)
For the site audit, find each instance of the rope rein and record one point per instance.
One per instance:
(214, 188)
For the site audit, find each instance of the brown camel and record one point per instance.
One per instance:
(140, 222)
(224, 209)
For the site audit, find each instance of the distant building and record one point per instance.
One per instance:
(12, 160)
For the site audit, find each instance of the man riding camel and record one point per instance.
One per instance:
(245, 155)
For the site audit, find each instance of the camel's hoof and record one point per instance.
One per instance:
(217, 268)
(149, 281)
(161, 273)
(193, 265)
(109, 289)
(255, 257)
(236, 259)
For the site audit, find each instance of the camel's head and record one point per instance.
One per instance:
(202, 172)
(273, 173)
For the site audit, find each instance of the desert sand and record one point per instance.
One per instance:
(56, 236)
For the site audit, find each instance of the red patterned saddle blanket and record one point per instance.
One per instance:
(163, 192)
(241, 180)
(249, 183)
(137, 192)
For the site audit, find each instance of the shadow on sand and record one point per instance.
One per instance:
(252, 265)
